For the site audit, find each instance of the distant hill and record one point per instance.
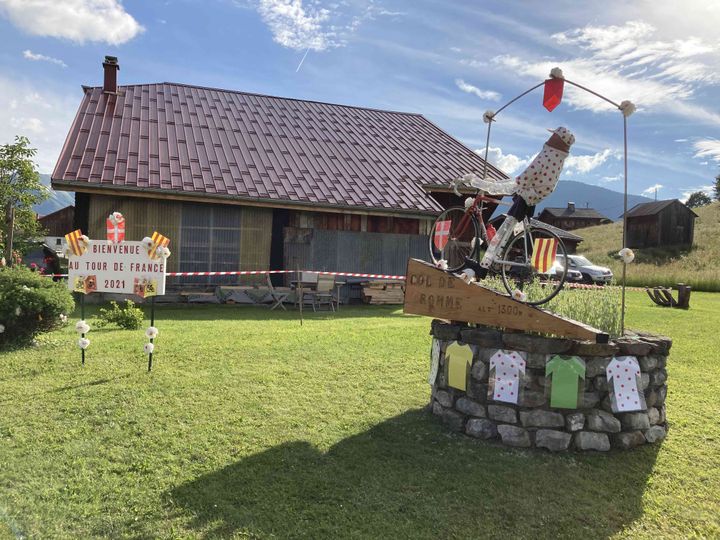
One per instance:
(56, 201)
(668, 265)
(605, 201)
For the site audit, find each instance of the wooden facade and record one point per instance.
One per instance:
(661, 223)
(203, 237)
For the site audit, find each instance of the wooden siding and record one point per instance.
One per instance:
(353, 222)
(203, 237)
(672, 225)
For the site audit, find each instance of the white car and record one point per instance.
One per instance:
(591, 273)
(573, 276)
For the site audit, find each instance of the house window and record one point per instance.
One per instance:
(209, 241)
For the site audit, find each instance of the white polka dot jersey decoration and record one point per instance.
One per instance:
(509, 368)
(624, 371)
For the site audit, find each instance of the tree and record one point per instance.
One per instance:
(20, 189)
(699, 198)
(716, 187)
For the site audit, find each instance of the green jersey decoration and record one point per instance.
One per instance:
(565, 372)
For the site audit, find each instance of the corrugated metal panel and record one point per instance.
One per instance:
(349, 251)
(201, 140)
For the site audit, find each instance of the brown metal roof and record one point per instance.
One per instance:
(652, 208)
(189, 140)
(584, 213)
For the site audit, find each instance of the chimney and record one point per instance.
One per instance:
(571, 206)
(110, 66)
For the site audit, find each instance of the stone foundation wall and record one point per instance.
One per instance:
(532, 422)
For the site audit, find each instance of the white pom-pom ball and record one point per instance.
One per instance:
(442, 264)
(148, 348)
(627, 255)
(82, 327)
(519, 295)
(488, 116)
(118, 217)
(556, 73)
(147, 242)
(469, 202)
(152, 332)
(468, 275)
(2, 328)
(83, 343)
(627, 108)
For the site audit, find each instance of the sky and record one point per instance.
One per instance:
(448, 60)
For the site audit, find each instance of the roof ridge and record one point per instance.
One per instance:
(258, 94)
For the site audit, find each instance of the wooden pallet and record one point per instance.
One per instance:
(384, 292)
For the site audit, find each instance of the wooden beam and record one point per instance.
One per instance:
(435, 293)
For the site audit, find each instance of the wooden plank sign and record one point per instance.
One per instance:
(435, 293)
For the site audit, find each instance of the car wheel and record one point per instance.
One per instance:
(586, 278)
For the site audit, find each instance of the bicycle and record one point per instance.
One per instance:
(460, 233)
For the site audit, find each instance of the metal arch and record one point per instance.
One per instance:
(625, 167)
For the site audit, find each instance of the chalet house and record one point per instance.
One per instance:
(660, 223)
(571, 218)
(248, 181)
(57, 224)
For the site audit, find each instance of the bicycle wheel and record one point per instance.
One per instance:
(453, 238)
(539, 275)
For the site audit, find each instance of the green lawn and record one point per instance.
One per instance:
(254, 426)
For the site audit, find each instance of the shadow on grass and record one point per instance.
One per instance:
(408, 478)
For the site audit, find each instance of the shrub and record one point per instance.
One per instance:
(128, 317)
(30, 304)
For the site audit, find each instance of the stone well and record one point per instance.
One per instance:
(532, 422)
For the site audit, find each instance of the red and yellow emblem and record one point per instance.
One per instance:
(76, 242)
(544, 252)
(158, 241)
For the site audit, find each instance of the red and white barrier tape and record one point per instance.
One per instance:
(260, 272)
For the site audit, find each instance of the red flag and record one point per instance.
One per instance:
(553, 93)
(115, 231)
(442, 234)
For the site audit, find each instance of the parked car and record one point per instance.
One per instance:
(573, 276)
(591, 273)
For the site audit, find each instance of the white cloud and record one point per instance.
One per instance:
(708, 190)
(613, 178)
(652, 189)
(41, 115)
(76, 20)
(626, 62)
(28, 54)
(508, 163)
(707, 148)
(309, 25)
(681, 140)
(585, 164)
(482, 94)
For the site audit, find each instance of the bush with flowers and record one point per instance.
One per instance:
(30, 304)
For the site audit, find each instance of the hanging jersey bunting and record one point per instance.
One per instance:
(553, 93)
(625, 374)
(544, 252)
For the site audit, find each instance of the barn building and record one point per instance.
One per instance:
(247, 181)
(660, 223)
(571, 218)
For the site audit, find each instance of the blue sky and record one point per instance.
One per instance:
(449, 60)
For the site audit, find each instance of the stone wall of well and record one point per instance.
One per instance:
(532, 422)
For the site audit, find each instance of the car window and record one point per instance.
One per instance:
(580, 260)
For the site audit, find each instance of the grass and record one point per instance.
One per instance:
(668, 266)
(252, 426)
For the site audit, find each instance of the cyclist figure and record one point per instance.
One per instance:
(532, 186)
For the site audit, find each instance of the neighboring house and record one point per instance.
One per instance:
(57, 225)
(660, 223)
(571, 218)
(247, 181)
(569, 239)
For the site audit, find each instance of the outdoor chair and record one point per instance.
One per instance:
(325, 292)
(277, 294)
